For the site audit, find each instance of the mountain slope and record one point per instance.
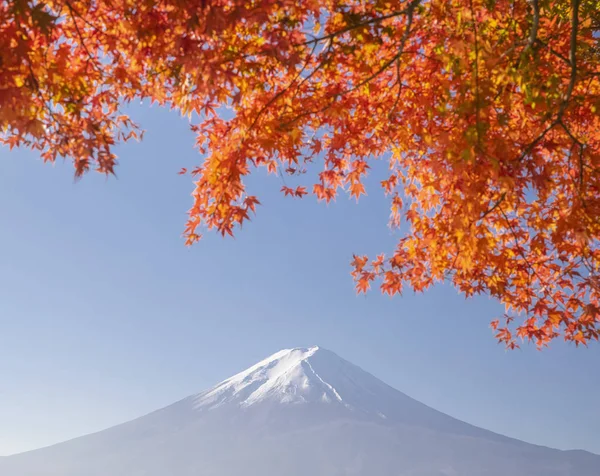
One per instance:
(298, 412)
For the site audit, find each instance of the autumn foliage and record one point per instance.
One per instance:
(486, 112)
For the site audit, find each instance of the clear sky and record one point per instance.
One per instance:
(105, 315)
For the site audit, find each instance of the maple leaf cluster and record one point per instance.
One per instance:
(487, 112)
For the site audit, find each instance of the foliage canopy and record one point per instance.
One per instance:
(487, 111)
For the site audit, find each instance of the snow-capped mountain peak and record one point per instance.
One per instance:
(319, 378)
(288, 376)
(300, 411)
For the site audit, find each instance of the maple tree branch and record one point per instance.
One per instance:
(409, 20)
(34, 80)
(73, 10)
(477, 105)
(554, 52)
(581, 147)
(409, 11)
(493, 207)
(45, 104)
(572, 56)
(359, 25)
(544, 284)
(524, 256)
(282, 92)
(531, 40)
(532, 144)
(572, 79)
(90, 57)
(570, 134)
(310, 113)
(316, 69)
(399, 83)
(535, 25)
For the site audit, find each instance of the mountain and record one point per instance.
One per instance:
(299, 412)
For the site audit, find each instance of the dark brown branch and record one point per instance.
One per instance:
(581, 171)
(532, 40)
(409, 11)
(554, 52)
(477, 105)
(316, 69)
(399, 83)
(309, 113)
(493, 207)
(72, 11)
(283, 91)
(371, 21)
(532, 144)
(569, 92)
(83, 45)
(534, 26)
(36, 84)
(521, 251)
(409, 20)
(572, 57)
(570, 134)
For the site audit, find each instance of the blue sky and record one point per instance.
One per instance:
(105, 315)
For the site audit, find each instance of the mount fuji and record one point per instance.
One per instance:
(302, 411)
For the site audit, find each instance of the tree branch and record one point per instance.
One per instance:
(283, 91)
(532, 144)
(493, 207)
(572, 57)
(409, 11)
(341, 31)
(409, 20)
(535, 25)
(477, 105)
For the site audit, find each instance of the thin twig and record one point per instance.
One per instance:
(84, 46)
(409, 11)
(493, 207)
(572, 57)
(358, 25)
(399, 82)
(409, 20)
(283, 91)
(532, 144)
(554, 52)
(477, 105)
(316, 69)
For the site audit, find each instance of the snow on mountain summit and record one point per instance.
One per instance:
(288, 376)
(316, 376)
